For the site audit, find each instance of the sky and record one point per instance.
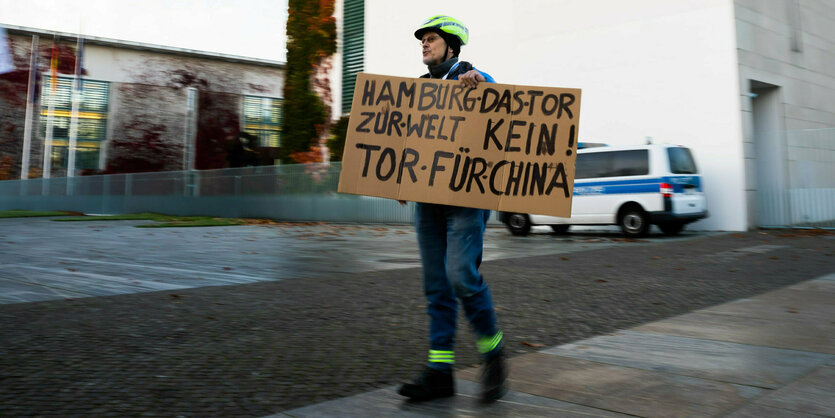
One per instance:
(249, 28)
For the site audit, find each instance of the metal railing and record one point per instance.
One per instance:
(302, 192)
(802, 194)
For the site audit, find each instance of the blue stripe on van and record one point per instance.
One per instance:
(585, 188)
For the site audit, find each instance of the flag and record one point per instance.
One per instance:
(79, 58)
(53, 66)
(76, 102)
(79, 61)
(6, 64)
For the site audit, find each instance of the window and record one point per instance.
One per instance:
(630, 163)
(681, 161)
(353, 48)
(612, 164)
(262, 118)
(92, 120)
(591, 165)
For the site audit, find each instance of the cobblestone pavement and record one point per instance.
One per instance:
(260, 348)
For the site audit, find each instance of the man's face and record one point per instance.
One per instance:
(433, 48)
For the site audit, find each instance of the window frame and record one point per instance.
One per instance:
(91, 108)
(264, 126)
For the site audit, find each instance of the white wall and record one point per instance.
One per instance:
(795, 54)
(789, 45)
(144, 67)
(658, 68)
(336, 71)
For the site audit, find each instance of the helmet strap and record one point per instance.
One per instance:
(449, 52)
(447, 49)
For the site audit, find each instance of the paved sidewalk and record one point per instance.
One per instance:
(771, 355)
(47, 260)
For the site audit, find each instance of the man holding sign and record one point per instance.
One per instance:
(450, 240)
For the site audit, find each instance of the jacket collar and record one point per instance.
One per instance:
(440, 70)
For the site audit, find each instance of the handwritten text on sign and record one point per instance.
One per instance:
(495, 147)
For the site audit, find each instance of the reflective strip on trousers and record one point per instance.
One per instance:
(488, 344)
(439, 356)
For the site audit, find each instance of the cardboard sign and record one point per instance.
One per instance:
(498, 146)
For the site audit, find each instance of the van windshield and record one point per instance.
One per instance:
(681, 161)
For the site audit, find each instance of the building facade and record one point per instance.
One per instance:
(142, 107)
(748, 85)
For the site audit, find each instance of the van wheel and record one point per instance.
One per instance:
(671, 228)
(518, 224)
(560, 229)
(633, 221)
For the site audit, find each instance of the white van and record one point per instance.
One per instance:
(630, 186)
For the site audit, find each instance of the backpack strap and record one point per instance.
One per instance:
(463, 67)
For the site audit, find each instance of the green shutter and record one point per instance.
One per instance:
(353, 50)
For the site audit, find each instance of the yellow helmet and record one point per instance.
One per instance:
(446, 24)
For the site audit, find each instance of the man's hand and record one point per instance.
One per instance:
(471, 78)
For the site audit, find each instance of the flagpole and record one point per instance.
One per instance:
(76, 102)
(30, 105)
(53, 81)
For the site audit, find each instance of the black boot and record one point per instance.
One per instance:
(431, 384)
(493, 378)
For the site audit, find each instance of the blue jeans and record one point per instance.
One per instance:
(450, 240)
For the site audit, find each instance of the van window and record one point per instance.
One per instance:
(681, 161)
(591, 165)
(612, 164)
(630, 163)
